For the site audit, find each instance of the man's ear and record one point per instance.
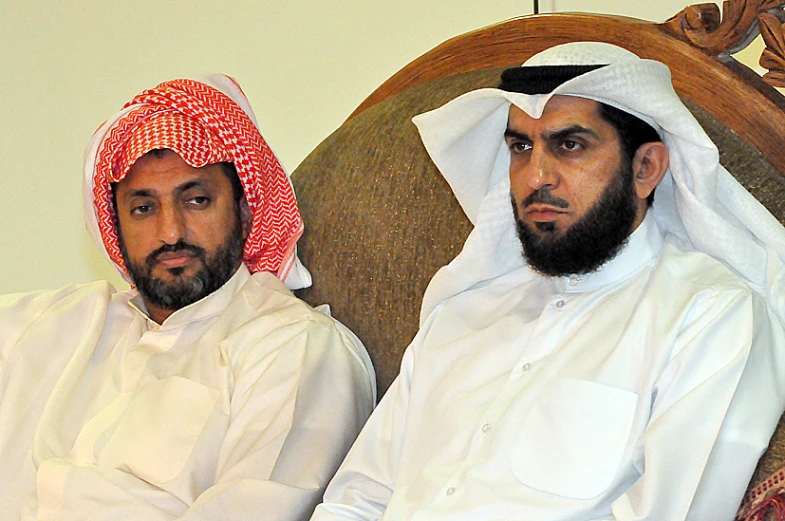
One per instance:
(648, 167)
(246, 217)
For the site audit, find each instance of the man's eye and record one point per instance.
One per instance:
(199, 200)
(570, 145)
(517, 147)
(141, 209)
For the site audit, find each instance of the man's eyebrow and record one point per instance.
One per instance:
(146, 192)
(515, 134)
(571, 131)
(187, 185)
(140, 192)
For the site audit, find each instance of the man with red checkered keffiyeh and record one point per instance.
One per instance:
(207, 391)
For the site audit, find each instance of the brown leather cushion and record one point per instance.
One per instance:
(380, 219)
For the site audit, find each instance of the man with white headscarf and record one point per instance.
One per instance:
(586, 356)
(208, 391)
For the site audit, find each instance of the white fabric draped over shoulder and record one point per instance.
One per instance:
(698, 201)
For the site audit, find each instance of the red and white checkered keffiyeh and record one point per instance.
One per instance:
(204, 122)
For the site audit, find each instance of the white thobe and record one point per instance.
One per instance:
(645, 390)
(239, 406)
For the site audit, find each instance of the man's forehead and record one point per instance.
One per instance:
(155, 161)
(165, 169)
(559, 111)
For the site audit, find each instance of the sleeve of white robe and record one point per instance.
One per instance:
(364, 484)
(294, 413)
(18, 311)
(320, 421)
(28, 373)
(713, 415)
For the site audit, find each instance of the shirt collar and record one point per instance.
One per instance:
(643, 245)
(210, 306)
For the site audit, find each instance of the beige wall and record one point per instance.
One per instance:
(65, 66)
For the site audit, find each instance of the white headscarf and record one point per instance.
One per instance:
(697, 201)
(217, 107)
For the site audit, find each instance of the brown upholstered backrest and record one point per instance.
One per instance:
(380, 219)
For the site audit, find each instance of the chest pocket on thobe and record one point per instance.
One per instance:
(160, 428)
(573, 439)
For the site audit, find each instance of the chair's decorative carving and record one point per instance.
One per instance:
(703, 26)
(740, 23)
(773, 57)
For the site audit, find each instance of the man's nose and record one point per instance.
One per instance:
(541, 170)
(171, 224)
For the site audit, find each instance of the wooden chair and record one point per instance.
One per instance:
(380, 220)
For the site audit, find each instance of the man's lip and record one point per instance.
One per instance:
(174, 259)
(542, 212)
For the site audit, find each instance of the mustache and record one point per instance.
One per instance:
(544, 196)
(179, 246)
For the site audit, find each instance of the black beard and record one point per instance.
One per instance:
(181, 292)
(593, 240)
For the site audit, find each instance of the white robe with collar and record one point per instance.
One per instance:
(646, 390)
(239, 406)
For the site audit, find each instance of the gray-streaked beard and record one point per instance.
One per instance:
(214, 272)
(593, 240)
